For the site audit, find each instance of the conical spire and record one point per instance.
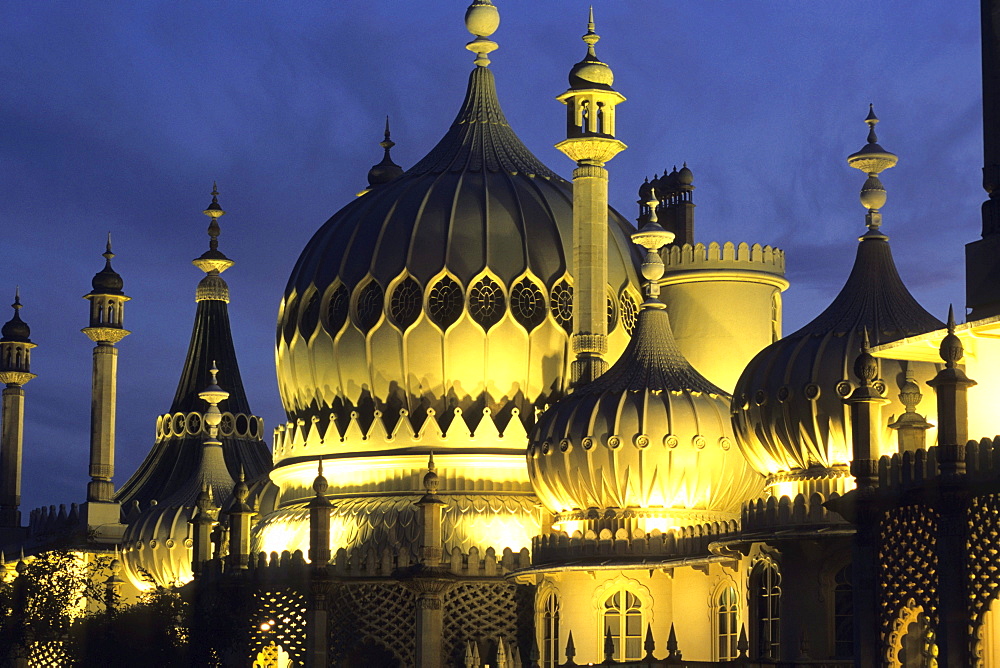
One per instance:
(176, 454)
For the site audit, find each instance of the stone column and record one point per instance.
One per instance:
(11, 445)
(317, 615)
(104, 397)
(866, 424)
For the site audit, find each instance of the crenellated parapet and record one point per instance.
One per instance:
(728, 256)
(788, 513)
(723, 297)
(676, 543)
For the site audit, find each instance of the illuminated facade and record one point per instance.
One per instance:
(523, 431)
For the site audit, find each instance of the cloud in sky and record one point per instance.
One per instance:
(118, 116)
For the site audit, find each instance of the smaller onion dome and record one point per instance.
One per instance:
(648, 444)
(107, 281)
(684, 176)
(16, 330)
(591, 72)
(386, 170)
(789, 411)
(157, 542)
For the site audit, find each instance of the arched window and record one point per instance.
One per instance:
(843, 614)
(765, 604)
(988, 635)
(550, 631)
(623, 620)
(727, 624)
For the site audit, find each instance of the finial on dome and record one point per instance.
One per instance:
(213, 261)
(482, 20)
(652, 237)
(872, 159)
(107, 281)
(213, 394)
(387, 170)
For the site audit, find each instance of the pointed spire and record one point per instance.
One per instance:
(673, 649)
(570, 649)
(482, 20)
(951, 350)
(649, 644)
(213, 261)
(609, 645)
(652, 237)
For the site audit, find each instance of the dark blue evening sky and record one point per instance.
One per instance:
(119, 115)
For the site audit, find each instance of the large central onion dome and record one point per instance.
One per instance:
(648, 444)
(447, 288)
(433, 313)
(788, 409)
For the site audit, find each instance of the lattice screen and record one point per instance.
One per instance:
(279, 617)
(486, 611)
(907, 544)
(984, 543)
(384, 614)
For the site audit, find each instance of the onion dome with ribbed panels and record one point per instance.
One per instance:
(648, 444)
(157, 541)
(445, 289)
(107, 281)
(788, 409)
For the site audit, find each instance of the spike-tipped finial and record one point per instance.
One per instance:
(213, 395)
(320, 484)
(17, 298)
(570, 648)
(213, 261)
(482, 20)
(15, 329)
(609, 645)
(652, 237)
(951, 350)
(872, 159)
(387, 170)
(107, 254)
(865, 366)
(431, 480)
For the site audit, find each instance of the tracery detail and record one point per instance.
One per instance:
(444, 303)
(629, 312)
(486, 302)
(369, 306)
(527, 304)
(561, 304)
(404, 306)
(337, 310)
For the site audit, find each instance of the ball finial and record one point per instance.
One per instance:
(482, 20)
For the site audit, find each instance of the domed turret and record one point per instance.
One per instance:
(107, 281)
(591, 72)
(649, 443)
(788, 408)
(16, 330)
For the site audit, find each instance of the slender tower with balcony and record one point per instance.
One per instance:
(107, 317)
(15, 371)
(590, 142)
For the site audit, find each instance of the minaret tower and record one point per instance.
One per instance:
(590, 141)
(15, 371)
(107, 316)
